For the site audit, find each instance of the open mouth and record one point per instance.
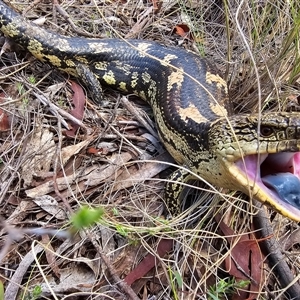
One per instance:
(274, 179)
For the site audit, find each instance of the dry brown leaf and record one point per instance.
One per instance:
(40, 21)
(69, 151)
(78, 100)
(21, 212)
(4, 117)
(149, 262)
(103, 148)
(182, 29)
(39, 153)
(291, 240)
(51, 206)
(99, 175)
(48, 187)
(77, 277)
(92, 176)
(148, 170)
(245, 260)
(6, 46)
(50, 255)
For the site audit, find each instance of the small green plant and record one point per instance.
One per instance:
(61, 102)
(225, 287)
(34, 294)
(25, 101)
(115, 211)
(123, 231)
(86, 217)
(31, 79)
(21, 91)
(1, 290)
(20, 88)
(175, 277)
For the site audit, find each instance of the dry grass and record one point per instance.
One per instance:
(255, 44)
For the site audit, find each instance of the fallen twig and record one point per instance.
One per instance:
(275, 257)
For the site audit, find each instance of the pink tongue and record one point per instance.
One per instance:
(286, 185)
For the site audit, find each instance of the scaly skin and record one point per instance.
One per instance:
(191, 107)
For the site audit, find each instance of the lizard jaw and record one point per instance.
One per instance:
(273, 179)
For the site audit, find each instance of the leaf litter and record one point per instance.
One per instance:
(101, 158)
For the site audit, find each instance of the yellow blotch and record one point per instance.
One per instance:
(152, 90)
(146, 77)
(134, 79)
(122, 86)
(82, 59)
(125, 68)
(70, 63)
(101, 65)
(216, 79)
(141, 94)
(193, 113)
(167, 59)
(109, 78)
(218, 109)
(54, 60)
(175, 77)
(10, 29)
(143, 47)
(99, 47)
(36, 49)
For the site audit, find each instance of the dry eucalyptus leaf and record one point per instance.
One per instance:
(69, 151)
(146, 171)
(38, 154)
(78, 278)
(51, 206)
(54, 88)
(99, 175)
(40, 21)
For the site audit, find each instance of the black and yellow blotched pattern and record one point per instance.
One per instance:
(188, 97)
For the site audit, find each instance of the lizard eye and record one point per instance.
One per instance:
(266, 131)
